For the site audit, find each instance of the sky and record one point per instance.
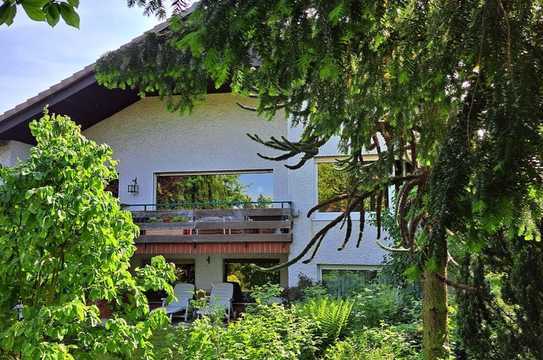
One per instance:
(257, 184)
(34, 56)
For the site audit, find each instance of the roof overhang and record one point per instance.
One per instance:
(79, 97)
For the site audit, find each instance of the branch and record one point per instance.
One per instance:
(413, 225)
(413, 147)
(332, 200)
(315, 240)
(395, 180)
(378, 211)
(391, 249)
(362, 224)
(348, 232)
(346, 213)
(451, 259)
(253, 109)
(457, 285)
(309, 148)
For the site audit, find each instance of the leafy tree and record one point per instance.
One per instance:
(41, 10)
(52, 10)
(65, 245)
(264, 201)
(158, 7)
(447, 93)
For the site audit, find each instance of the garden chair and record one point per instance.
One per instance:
(220, 299)
(184, 293)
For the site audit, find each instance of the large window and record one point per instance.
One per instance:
(332, 182)
(240, 271)
(343, 282)
(215, 189)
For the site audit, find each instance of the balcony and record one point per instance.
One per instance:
(213, 223)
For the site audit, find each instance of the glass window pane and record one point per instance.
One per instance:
(333, 182)
(342, 283)
(185, 273)
(215, 190)
(240, 271)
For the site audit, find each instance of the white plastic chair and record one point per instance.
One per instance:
(220, 298)
(184, 293)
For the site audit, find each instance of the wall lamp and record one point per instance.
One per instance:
(134, 188)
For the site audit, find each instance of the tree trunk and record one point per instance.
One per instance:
(446, 186)
(434, 309)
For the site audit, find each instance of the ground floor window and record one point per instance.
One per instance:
(185, 272)
(241, 272)
(184, 269)
(343, 281)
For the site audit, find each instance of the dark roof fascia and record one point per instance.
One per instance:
(34, 106)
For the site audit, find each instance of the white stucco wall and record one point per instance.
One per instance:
(11, 152)
(147, 139)
(303, 189)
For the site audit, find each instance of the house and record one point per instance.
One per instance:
(198, 190)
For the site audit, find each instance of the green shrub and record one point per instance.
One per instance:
(273, 332)
(66, 246)
(266, 293)
(269, 332)
(316, 291)
(381, 302)
(382, 343)
(305, 290)
(320, 328)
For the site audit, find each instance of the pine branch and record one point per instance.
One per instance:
(315, 241)
(330, 201)
(309, 148)
(457, 285)
(253, 109)
(391, 249)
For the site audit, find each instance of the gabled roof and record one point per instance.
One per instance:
(78, 96)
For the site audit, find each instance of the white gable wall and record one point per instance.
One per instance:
(147, 139)
(11, 152)
(303, 188)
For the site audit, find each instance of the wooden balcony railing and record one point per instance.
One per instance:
(245, 222)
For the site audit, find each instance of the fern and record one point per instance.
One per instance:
(332, 317)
